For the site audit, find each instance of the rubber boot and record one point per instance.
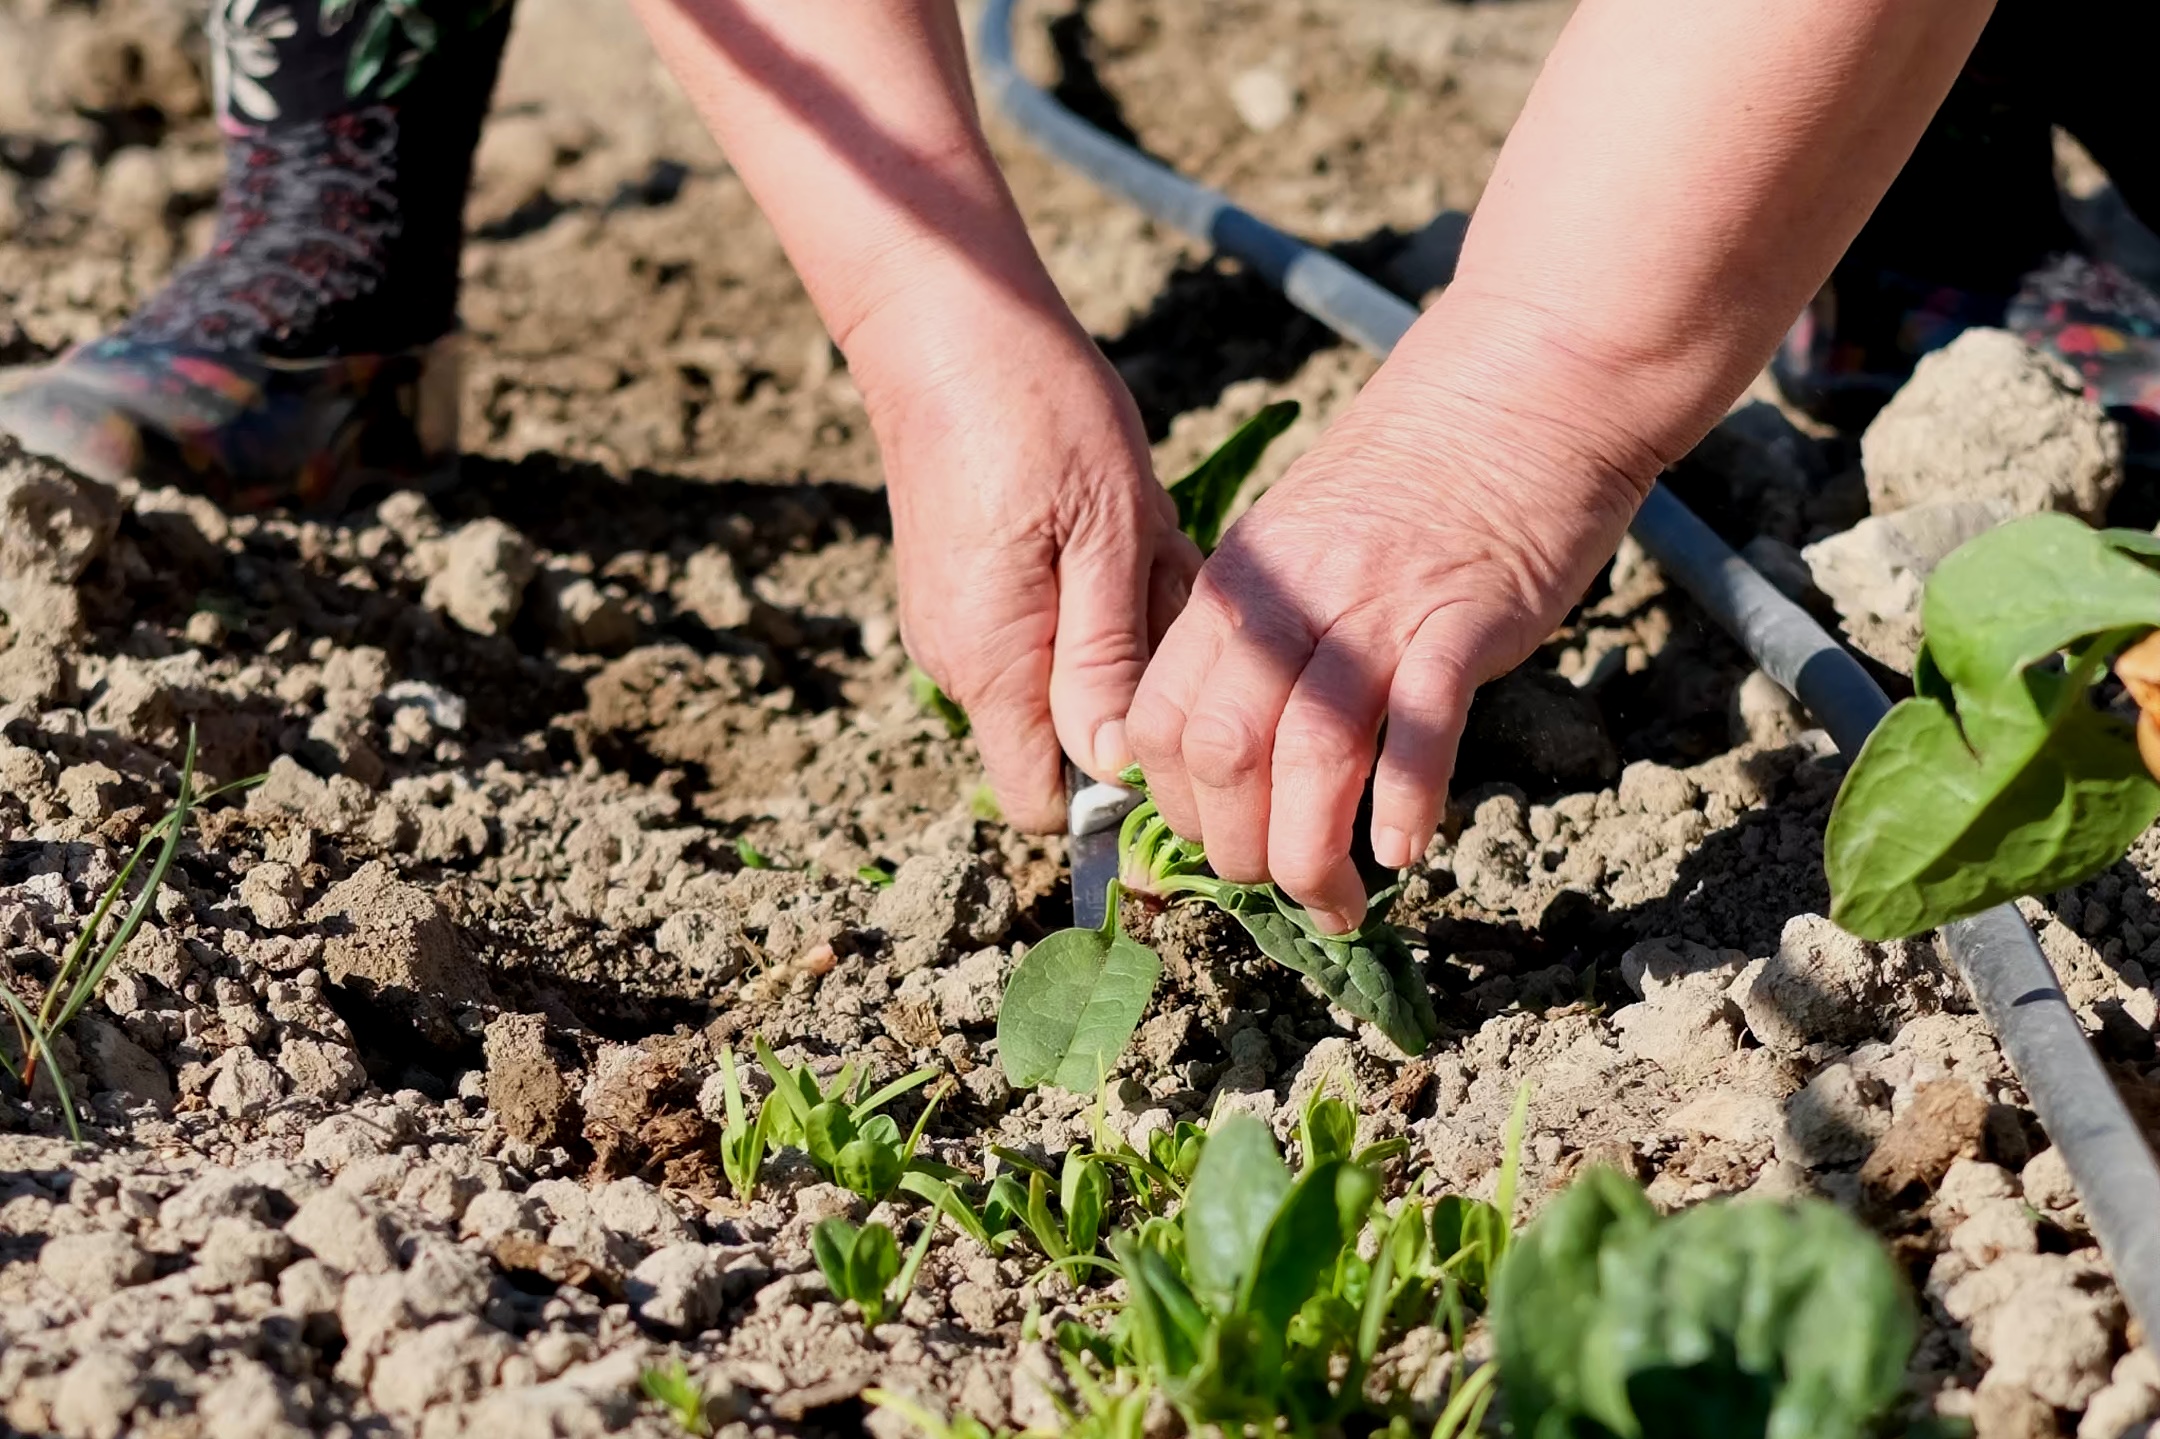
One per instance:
(313, 350)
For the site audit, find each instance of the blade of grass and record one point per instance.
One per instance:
(38, 1038)
(175, 832)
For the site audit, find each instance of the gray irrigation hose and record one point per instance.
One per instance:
(2010, 979)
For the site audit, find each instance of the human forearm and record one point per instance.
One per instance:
(1682, 179)
(853, 125)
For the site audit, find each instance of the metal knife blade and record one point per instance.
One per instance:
(1093, 813)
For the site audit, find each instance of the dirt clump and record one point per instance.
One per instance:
(1989, 417)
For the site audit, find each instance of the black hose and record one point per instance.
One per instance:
(2009, 978)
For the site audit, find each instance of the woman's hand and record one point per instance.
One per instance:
(1039, 557)
(1423, 547)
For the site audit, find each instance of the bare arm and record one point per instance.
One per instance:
(1037, 553)
(1683, 177)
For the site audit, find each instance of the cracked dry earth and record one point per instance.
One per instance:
(402, 1106)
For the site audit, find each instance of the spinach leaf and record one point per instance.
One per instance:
(1072, 1005)
(1732, 1319)
(1239, 1183)
(2000, 778)
(1371, 973)
(1204, 496)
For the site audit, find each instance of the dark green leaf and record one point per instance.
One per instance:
(1324, 1210)
(1204, 496)
(2015, 784)
(826, 1132)
(1733, 1318)
(1084, 1195)
(370, 51)
(1371, 973)
(868, 1168)
(1327, 1130)
(1072, 1006)
(1236, 1189)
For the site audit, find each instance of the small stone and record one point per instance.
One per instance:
(239, 1252)
(1263, 99)
(1874, 573)
(117, 1064)
(445, 1363)
(251, 1402)
(946, 898)
(631, 1207)
(1825, 985)
(496, 1212)
(96, 1395)
(271, 891)
(1989, 417)
(1996, 1227)
(580, 616)
(1685, 1034)
(91, 1266)
(713, 949)
(681, 1288)
(1946, 1122)
(1967, 1185)
(346, 1232)
(1838, 1117)
(342, 1138)
(53, 522)
(245, 1083)
(525, 1084)
(969, 993)
(321, 1070)
(486, 566)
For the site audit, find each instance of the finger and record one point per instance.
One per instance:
(1104, 601)
(1229, 745)
(1167, 693)
(1426, 707)
(1177, 565)
(1009, 712)
(1323, 751)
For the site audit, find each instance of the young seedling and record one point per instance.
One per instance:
(75, 983)
(751, 856)
(962, 1425)
(670, 1386)
(849, 1142)
(1327, 1129)
(2000, 777)
(995, 1226)
(1204, 496)
(934, 702)
(1735, 1319)
(876, 876)
(742, 1139)
(1075, 1000)
(1072, 1226)
(864, 1265)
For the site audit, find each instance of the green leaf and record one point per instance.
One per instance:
(750, 855)
(1370, 973)
(932, 700)
(1733, 1318)
(1204, 496)
(1084, 1195)
(1324, 1210)
(828, 1130)
(1236, 1189)
(1327, 1129)
(1999, 778)
(868, 1167)
(832, 1244)
(1072, 1005)
(370, 51)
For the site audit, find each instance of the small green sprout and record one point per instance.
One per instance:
(751, 856)
(995, 1226)
(962, 1425)
(742, 1139)
(876, 876)
(670, 1386)
(79, 976)
(849, 1142)
(933, 701)
(1073, 1226)
(863, 1265)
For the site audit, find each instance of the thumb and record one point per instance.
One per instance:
(1102, 642)
(1011, 724)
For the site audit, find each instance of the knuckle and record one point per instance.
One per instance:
(1153, 726)
(1223, 749)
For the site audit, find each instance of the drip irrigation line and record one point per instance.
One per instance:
(2009, 978)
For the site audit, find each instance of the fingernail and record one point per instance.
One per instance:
(1391, 847)
(1336, 922)
(1111, 750)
